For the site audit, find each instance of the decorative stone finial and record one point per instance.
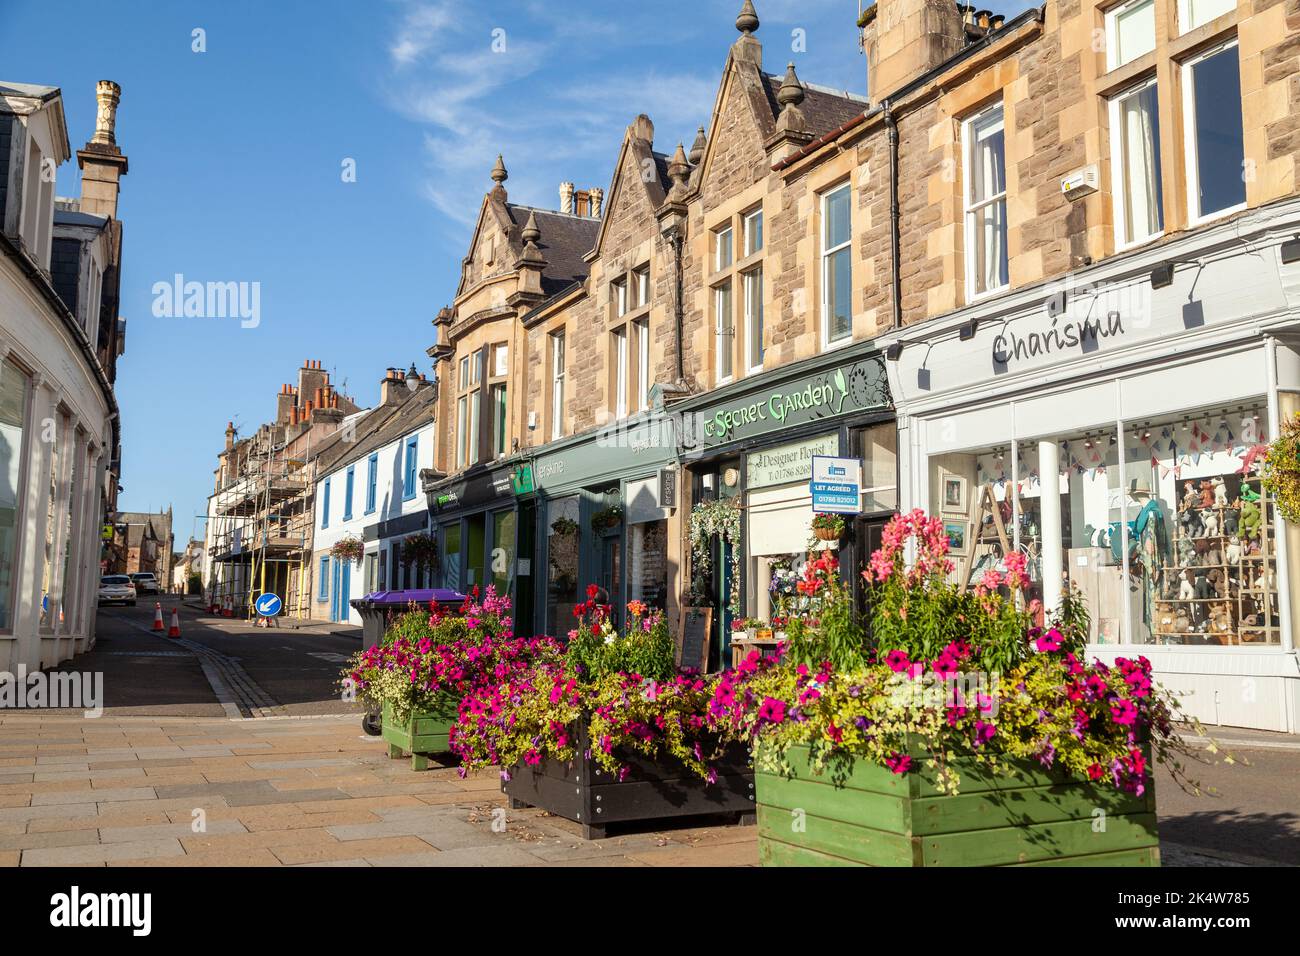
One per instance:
(499, 174)
(747, 19)
(678, 170)
(530, 232)
(108, 94)
(697, 148)
(791, 91)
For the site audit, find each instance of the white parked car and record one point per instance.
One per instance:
(116, 589)
(146, 583)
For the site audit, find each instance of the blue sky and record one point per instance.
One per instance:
(236, 158)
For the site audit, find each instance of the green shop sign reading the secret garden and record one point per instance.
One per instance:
(845, 389)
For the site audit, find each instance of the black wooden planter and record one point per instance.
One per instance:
(582, 791)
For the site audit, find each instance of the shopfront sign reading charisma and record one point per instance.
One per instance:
(1064, 334)
(841, 390)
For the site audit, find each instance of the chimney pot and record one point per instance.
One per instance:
(566, 197)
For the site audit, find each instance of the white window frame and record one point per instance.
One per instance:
(747, 227)
(1194, 216)
(1185, 17)
(826, 253)
(968, 145)
(558, 359)
(728, 288)
(641, 286)
(746, 278)
(1120, 183)
(500, 359)
(618, 294)
(474, 399)
(718, 264)
(1112, 32)
(620, 372)
(462, 422)
(641, 327)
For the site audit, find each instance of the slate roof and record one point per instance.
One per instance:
(824, 109)
(66, 217)
(566, 238)
(377, 428)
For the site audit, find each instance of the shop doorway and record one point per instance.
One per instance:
(867, 538)
(609, 573)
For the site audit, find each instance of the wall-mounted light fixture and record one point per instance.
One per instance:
(894, 351)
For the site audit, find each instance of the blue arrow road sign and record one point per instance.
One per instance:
(268, 605)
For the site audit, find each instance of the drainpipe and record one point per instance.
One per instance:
(891, 126)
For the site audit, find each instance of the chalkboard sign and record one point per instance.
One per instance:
(693, 638)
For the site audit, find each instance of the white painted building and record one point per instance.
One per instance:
(59, 342)
(369, 489)
(1116, 420)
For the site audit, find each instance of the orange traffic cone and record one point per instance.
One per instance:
(175, 629)
(157, 616)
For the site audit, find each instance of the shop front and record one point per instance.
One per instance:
(750, 447)
(604, 515)
(481, 522)
(1110, 430)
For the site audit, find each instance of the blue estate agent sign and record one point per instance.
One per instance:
(268, 605)
(836, 485)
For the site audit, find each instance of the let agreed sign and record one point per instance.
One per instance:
(836, 485)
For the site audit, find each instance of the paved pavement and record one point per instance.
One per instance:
(281, 791)
(243, 730)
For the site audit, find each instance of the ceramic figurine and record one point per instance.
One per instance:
(1190, 498)
(1230, 518)
(1220, 492)
(1234, 551)
(1207, 495)
(1210, 524)
(1186, 591)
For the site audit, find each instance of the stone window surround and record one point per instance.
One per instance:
(733, 275)
(624, 323)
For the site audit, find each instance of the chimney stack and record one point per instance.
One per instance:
(230, 435)
(582, 203)
(906, 38)
(392, 387)
(102, 163)
(566, 197)
(597, 200)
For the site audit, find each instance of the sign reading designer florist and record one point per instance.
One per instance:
(836, 485)
(786, 464)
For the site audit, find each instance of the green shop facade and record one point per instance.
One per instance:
(612, 507)
(754, 441)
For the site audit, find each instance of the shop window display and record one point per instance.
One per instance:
(1164, 528)
(648, 560)
(562, 543)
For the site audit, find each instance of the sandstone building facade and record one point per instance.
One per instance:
(1046, 248)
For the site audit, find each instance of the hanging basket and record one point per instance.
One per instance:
(826, 534)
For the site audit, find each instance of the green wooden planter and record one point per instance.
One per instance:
(873, 817)
(423, 734)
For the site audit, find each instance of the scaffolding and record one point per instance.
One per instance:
(261, 542)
